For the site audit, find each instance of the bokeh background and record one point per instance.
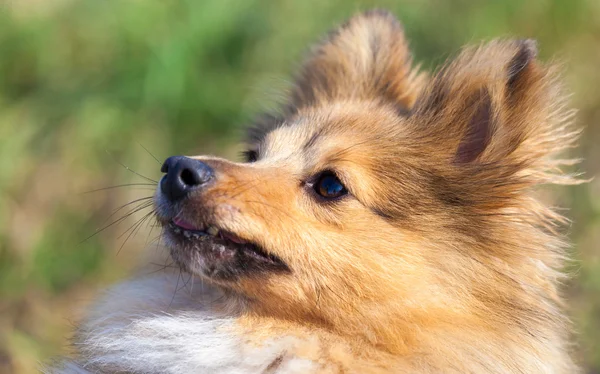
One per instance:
(88, 87)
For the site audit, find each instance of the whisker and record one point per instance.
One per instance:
(150, 153)
(162, 267)
(186, 282)
(343, 151)
(152, 242)
(176, 289)
(118, 186)
(136, 226)
(251, 186)
(157, 237)
(150, 227)
(125, 205)
(192, 284)
(117, 221)
(131, 170)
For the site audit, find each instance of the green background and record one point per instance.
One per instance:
(85, 84)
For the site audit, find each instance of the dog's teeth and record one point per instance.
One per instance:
(178, 231)
(196, 236)
(213, 231)
(187, 234)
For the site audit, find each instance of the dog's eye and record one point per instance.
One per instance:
(250, 155)
(329, 186)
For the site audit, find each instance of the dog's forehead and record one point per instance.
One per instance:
(318, 132)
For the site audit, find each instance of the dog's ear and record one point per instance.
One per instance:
(492, 122)
(366, 58)
(497, 105)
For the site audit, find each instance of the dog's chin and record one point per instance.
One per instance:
(218, 255)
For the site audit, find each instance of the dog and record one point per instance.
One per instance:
(385, 221)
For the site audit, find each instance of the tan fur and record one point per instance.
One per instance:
(441, 258)
(366, 58)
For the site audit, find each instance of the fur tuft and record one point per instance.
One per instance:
(366, 58)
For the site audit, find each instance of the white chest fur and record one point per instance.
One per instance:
(145, 326)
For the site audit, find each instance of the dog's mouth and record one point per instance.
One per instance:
(215, 253)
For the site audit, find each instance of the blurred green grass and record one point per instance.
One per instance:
(86, 83)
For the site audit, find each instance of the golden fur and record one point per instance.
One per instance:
(440, 258)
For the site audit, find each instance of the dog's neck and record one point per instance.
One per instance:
(149, 326)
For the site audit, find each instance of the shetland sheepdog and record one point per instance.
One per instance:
(384, 221)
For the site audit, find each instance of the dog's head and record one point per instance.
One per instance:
(379, 192)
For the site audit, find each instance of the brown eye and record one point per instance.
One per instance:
(329, 186)
(250, 155)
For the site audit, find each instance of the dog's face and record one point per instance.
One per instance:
(376, 191)
(310, 208)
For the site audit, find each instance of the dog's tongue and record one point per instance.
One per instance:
(184, 224)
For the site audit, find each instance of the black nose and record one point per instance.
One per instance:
(184, 175)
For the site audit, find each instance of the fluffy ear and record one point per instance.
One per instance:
(366, 58)
(496, 109)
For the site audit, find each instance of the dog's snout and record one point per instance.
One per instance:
(183, 175)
